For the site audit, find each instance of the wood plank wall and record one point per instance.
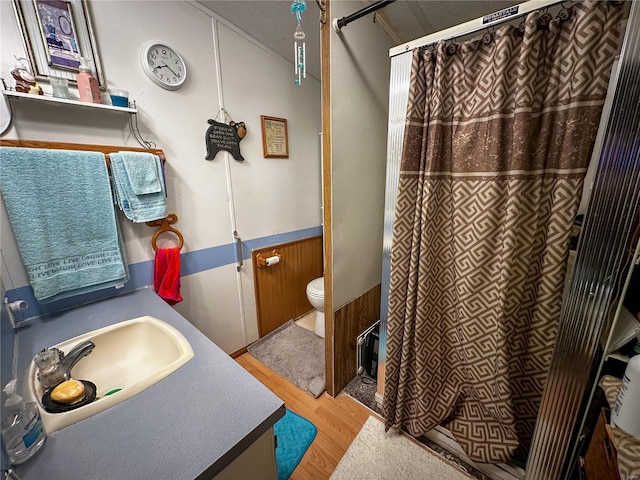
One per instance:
(350, 321)
(281, 290)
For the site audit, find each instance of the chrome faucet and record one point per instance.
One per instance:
(75, 354)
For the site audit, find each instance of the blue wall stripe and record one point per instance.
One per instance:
(141, 274)
(206, 259)
(278, 238)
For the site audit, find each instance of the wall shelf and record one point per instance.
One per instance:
(12, 96)
(618, 356)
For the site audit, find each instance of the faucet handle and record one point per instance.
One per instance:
(60, 352)
(48, 357)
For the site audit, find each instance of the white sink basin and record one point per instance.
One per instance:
(131, 356)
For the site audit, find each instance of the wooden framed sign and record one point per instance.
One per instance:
(275, 143)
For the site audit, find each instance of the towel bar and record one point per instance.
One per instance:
(106, 149)
(165, 226)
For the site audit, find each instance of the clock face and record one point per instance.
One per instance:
(164, 66)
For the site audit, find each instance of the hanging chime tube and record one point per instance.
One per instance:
(299, 49)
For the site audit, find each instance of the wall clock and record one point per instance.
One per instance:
(163, 65)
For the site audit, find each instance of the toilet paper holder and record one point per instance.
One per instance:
(272, 259)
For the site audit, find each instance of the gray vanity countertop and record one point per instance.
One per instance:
(189, 425)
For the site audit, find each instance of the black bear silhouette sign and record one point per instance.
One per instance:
(221, 136)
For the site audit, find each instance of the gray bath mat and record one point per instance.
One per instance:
(295, 353)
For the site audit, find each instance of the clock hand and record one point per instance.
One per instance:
(170, 69)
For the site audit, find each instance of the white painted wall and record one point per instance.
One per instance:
(270, 195)
(360, 69)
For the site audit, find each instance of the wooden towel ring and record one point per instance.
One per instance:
(165, 226)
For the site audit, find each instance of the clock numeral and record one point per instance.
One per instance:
(155, 71)
(154, 56)
(164, 51)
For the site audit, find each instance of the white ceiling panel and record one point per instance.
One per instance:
(271, 23)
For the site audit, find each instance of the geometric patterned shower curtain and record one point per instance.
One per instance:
(497, 141)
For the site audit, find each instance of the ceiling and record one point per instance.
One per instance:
(271, 23)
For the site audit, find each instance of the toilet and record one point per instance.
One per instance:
(315, 294)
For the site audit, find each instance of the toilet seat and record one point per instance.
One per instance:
(315, 287)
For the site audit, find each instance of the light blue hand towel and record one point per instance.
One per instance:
(143, 170)
(61, 210)
(139, 208)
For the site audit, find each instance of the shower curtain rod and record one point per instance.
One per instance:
(473, 26)
(344, 21)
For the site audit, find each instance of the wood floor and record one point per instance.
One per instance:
(338, 420)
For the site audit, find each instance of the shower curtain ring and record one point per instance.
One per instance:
(544, 20)
(565, 13)
(452, 48)
(487, 38)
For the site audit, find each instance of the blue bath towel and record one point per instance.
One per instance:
(139, 208)
(144, 171)
(61, 210)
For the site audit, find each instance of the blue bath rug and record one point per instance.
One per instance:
(294, 436)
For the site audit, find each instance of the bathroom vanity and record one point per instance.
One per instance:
(208, 419)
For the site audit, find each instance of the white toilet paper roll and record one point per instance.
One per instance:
(272, 260)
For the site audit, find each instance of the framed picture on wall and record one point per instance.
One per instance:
(275, 143)
(56, 34)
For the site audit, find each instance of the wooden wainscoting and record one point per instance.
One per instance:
(281, 290)
(350, 321)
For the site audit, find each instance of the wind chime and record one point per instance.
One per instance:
(300, 55)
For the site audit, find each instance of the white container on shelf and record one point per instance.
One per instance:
(626, 410)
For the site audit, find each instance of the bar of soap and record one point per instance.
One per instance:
(68, 392)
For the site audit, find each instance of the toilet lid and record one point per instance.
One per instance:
(316, 287)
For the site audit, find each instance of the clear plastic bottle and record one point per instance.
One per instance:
(625, 412)
(88, 87)
(22, 430)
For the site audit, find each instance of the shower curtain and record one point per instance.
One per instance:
(497, 141)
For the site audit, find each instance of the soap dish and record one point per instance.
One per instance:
(52, 406)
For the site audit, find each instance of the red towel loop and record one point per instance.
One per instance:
(165, 226)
